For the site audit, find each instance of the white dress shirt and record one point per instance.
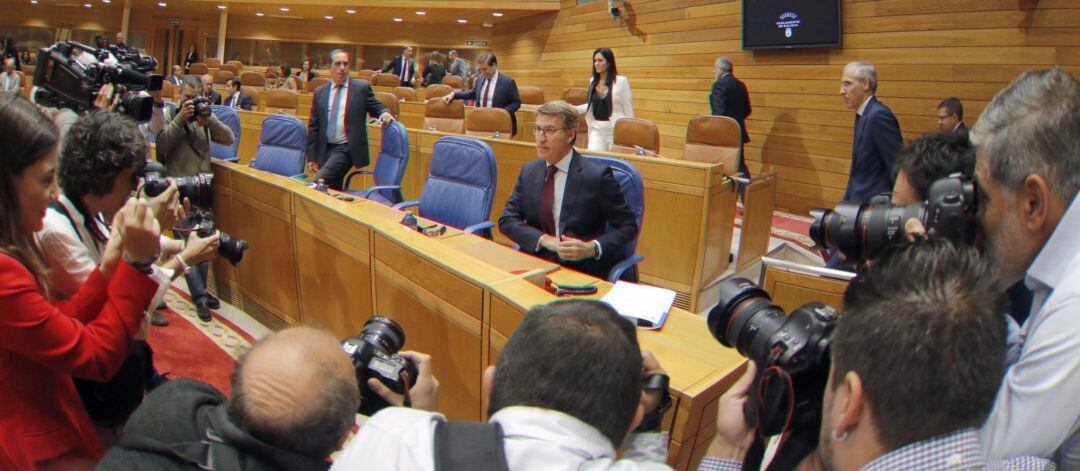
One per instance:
(10, 82)
(343, 102)
(72, 254)
(1037, 411)
(534, 439)
(560, 189)
(488, 91)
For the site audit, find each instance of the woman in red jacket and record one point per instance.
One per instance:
(42, 422)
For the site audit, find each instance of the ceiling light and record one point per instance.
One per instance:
(329, 17)
(497, 13)
(106, 1)
(284, 8)
(221, 7)
(398, 20)
(489, 25)
(33, 2)
(462, 20)
(259, 13)
(421, 12)
(350, 11)
(162, 4)
(87, 5)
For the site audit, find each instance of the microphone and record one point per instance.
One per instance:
(643, 152)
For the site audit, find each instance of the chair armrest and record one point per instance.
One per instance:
(234, 160)
(406, 204)
(349, 177)
(478, 227)
(617, 270)
(299, 175)
(364, 194)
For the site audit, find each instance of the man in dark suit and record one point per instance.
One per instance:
(567, 208)
(337, 128)
(730, 98)
(208, 90)
(492, 90)
(403, 66)
(950, 117)
(237, 100)
(175, 78)
(877, 134)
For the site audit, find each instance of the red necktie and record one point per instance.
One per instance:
(547, 201)
(484, 102)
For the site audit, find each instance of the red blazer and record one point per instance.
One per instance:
(43, 345)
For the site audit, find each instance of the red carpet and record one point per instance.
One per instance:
(190, 348)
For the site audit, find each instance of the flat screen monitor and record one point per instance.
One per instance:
(777, 24)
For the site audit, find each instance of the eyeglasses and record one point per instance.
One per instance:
(547, 132)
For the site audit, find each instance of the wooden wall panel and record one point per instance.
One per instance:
(925, 50)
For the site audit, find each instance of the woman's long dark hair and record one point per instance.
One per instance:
(611, 70)
(26, 136)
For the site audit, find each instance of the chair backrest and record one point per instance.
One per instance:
(582, 139)
(714, 139)
(198, 68)
(575, 96)
(757, 219)
(444, 117)
(460, 187)
(389, 101)
(633, 189)
(252, 93)
(393, 158)
(168, 90)
(280, 99)
(231, 68)
(212, 62)
(385, 80)
(486, 122)
(364, 74)
(791, 285)
(253, 79)
(281, 145)
(454, 82)
(316, 83)
(232, 120)
(405, 93)
(631, 132)
(437, 90)
(237, 64)
(222, 76)
(531, 95)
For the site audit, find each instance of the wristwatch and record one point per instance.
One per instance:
(145, 267)
(653, 420)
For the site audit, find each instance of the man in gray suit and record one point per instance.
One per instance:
(458, 66)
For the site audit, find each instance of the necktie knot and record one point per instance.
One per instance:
(551, 169)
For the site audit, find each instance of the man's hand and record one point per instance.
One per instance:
(385, 119)
(549, 243)
(166, 206)
(105, 99)
(424, 394)
(187, 110)
(140, 232)
(448, 98)
(573, 249)
(200, 249)
(650, 400)
(312, 169)
(114, 248)
(914, 229)
(733, 435)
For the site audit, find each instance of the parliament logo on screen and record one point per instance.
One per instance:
(788, 21)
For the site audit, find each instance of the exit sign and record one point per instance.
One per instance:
(476, 42)
(176, 22)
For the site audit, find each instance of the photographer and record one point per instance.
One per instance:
(184, 147)
(926, 160)
(565, 393)
(294, 401)
(916, 363)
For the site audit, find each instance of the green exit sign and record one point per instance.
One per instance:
(176, 22)
(476, 42)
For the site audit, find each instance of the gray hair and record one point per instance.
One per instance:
(453, 52)
(1032, 127)
(724, 64)
(864, 71)
(336, 52)
(566, 111)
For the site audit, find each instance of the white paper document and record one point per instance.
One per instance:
(647, 303)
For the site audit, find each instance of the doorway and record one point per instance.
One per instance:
(170, 43)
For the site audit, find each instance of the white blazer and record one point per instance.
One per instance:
(622, 102)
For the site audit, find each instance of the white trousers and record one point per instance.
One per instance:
(601, 135)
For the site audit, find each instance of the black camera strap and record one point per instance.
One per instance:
(469, 446)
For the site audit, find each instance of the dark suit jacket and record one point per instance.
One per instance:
(245, 101)
(215, 97)
(730, 98)
(593, 207)
(873, 153)
(506, 95)
(962, 130)
(174, 80)
(395, 68)
(358, 105)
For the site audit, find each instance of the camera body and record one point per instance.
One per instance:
(63, 82)
(137, 60)
(791, 351)
(861, 230)
(374, 355)
(229, 248)
(197, 188)
(202, 108)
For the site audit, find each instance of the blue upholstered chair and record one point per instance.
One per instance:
(389, 168)
(232, 120)
(460, 188)
(634, 192)
(282, 146)
(170, 107)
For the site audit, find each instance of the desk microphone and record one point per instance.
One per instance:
(643, 152)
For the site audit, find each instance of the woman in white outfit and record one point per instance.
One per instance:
(609, 99)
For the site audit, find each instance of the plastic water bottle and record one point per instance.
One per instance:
(409, 220)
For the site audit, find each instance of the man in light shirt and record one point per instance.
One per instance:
(10, 81)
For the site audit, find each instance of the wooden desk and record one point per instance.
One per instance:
(689, 206)
(316, 260)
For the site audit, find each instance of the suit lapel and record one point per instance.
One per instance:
(535, 191)
(862, 122)
(571, 190)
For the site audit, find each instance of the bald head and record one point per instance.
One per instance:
(296, 390)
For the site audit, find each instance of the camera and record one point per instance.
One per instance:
(613, 8)
(137, 60)
(861, 230)
(64, 82)
(229, 248)
(196, 188)
(202, 108)
(374, 355)
(792, 355)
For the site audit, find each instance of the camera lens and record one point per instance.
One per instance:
(232, 249)
(384, 333)
(745, 319)
(197, 189)
(860, 231)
